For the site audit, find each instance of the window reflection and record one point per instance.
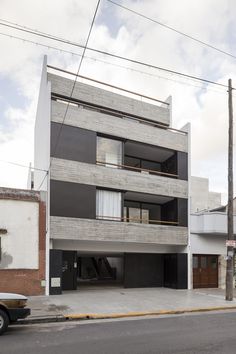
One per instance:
(109, 152)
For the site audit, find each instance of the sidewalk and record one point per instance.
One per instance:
(119, 302)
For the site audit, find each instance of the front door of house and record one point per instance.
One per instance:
(205, 271)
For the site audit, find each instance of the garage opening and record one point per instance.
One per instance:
(74, 270)
(100, 270)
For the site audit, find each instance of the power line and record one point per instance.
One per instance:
(73, 87)
(39, 44)
(173, 29)
(46, 174)
(149, 65)
(109, 63)
(24, 166)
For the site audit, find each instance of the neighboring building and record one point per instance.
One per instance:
(22, 241)
(117, 187)
(200, 196)
(208, 236)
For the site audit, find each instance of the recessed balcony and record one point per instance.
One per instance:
(141, 158)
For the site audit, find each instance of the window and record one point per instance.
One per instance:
(108, 205)
(109, 152)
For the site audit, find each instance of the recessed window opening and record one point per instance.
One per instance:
(108, 205)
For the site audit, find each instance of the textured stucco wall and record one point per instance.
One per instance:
(21, 243)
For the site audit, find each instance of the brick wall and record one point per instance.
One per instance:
(28, 281)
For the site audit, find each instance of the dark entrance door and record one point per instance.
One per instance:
(69, 270)
(205, 271)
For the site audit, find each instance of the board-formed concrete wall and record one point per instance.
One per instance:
(115, 126)
(102, 176)
(99, 230)
(104, 98)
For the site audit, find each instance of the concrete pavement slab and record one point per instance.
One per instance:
(117, 301)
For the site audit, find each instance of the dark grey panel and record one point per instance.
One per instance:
(169, 211)
(170, 165)
(170, 270)
(183, 212)
(175, 210)
(182, 163)
(72, 200)
(55, 272)
(182, 271)
(143, 270)
(175, 271)
(69, 270)
(73, 143)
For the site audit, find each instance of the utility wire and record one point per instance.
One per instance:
(173, 29)
(112, 64)
(109, 63)
(79, 67)
(149, 65)
(25, 166)
(46, 174)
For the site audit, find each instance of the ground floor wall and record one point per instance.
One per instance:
(130, 269)
(16, 278)
(22, 281)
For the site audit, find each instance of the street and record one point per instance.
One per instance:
(199, 333)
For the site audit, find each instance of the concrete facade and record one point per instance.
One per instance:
(159, 189)
(118, 126)
(78, 172)
(104, 98)
(97, 230)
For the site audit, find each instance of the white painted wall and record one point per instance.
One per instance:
(208, 244)
(201, 197)
(114, 247)
(210, 223)
(20, 244)
(42, 132)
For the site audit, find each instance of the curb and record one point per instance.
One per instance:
(45, 319)
(96, 316)
(93, 316)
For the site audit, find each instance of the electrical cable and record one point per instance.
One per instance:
(20, 165)
(173, 29)
(73, 87)
(174, 72)
(109, 63)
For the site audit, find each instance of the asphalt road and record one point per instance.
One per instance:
(205, 333)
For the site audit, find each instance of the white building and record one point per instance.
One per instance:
(208, 236)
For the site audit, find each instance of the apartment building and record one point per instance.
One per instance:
(117, 186)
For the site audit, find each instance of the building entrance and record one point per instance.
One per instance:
(72, 270)
(205, 271)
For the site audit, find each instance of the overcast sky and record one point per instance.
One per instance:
(122, 33)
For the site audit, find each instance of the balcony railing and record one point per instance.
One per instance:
(135, 220)
(137, 169)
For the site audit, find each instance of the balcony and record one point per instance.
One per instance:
(207, 223)
(141, 158)
(75, 229)
(141, 208)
